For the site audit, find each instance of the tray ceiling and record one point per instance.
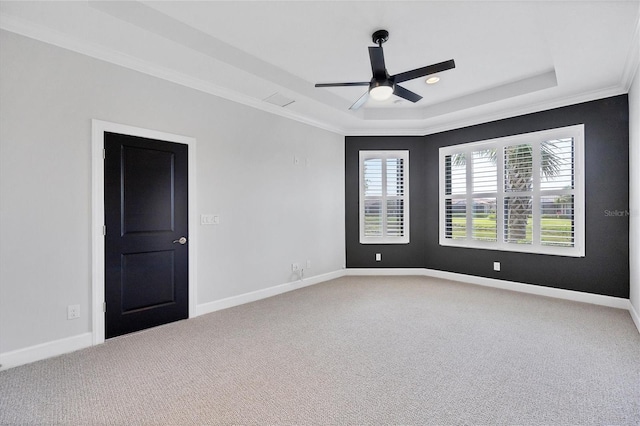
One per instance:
(512, 57)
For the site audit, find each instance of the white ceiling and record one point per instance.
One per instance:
(512, 57)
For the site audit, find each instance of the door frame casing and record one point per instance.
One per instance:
(98, 128)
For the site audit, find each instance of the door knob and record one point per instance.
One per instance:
(181, 240)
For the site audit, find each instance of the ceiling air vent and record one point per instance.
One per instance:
(279, 100)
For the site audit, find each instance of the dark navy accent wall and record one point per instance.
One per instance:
(605, 268)
(393, 255)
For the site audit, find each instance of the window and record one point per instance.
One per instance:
(384, 199)
(520, 193)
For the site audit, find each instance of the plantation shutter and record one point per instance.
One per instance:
(455, 196)
(557, 188)
(484, 184)
(520, 193)
(519, 184)
(384, 207)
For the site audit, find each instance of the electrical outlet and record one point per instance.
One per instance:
(295, 267)
(308, 264)
(73, 312)
(496, 266)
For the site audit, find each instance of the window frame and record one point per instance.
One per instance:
(535, 139)
(384, 155)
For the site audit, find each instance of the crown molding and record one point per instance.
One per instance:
(64, 41)
(472, 119)
(467, 118)
(633, 57)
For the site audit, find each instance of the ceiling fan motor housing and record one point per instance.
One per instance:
(380, 82)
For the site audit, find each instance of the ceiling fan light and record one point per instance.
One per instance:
(381, 92)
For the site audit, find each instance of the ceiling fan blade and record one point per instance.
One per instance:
(377, 62)
(406, 94)
(362, 83)
(360, 101)
(424, 71)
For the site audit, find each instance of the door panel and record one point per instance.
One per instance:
(147, 280)
(148, 190)
(146, 212)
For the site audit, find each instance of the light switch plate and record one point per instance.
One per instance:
(209, 219)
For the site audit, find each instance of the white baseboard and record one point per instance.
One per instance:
(634, 316)
(241, 299)
(45, 350)
(577, 296)
(85, 340)
(385, 271)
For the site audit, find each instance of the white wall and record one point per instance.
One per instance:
(634, 196)
(272, 212)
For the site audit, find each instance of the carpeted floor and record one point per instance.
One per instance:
(353, 351)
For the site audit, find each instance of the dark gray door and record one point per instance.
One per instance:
(146, 243)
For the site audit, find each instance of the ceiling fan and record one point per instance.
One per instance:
(383, 85)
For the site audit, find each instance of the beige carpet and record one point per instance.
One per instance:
(353, 351)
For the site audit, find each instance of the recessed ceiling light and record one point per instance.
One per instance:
(433, 80)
